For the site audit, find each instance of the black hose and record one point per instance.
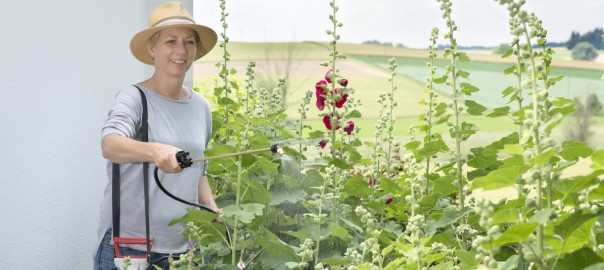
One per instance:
(200, 206)
(163, 189)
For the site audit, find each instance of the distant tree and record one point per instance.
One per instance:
(574, 39)
(584, 51)
(594, 37)
(502, 48)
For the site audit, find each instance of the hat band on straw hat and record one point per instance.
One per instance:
(172, 21)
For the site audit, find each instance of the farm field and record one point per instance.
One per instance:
(366, 71)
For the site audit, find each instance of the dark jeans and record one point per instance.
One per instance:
(103, 260)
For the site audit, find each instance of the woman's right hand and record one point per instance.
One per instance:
(164, 157)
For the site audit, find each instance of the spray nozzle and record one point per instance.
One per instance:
(184, 161)
(277, 150)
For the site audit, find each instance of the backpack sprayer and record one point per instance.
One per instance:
(184, 161)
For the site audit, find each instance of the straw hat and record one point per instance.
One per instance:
(169, 15)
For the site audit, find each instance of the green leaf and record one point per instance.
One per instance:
(432, 148)
(511, 263)
(390, 186)
(500, 178)
(597, 266)
(573, 240)
(463, 57)
(508, 91)
(572, 223)
(501, 111)
(506, 215)
(467, 259)
(352, 225)
(542, 216)
(584, 258)
(443, 266)
(560, 101)
(225, 101)
(299, 234)
(463, 74)
(255, 191)
(572, 150)
(448, 218)
(340, 163)
(440, 79)
(509, 70)
(474, 108)
(412, 145)
(281, 193)
(354, 114)
(444, 186)
(507, 53)
(274, 246)
(245, 212)
(597, 158)
(554, 80)
(544, 157)
(339, 232)
(357, 187)
(516, 233)
(468, 89)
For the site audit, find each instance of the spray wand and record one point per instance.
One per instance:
(185, 161)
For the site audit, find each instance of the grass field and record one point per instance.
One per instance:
(366, 72)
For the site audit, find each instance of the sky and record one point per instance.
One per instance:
(408, 22)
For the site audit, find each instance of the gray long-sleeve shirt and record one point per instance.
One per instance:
(186, 124)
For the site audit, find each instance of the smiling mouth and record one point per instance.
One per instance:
(177, 61)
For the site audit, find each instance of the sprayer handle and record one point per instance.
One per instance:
(184, 161)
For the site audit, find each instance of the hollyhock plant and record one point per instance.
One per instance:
(328, 75)
(320, 92)
(340, 102)
(327, 122)
(343, 82)
(322, 143)
(350, 127)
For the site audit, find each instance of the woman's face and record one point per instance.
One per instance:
(173, 50)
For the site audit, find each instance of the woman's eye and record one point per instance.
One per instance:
(191, 42)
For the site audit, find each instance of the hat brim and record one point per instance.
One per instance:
(138, 43)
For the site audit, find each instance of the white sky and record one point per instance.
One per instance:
(480, 22)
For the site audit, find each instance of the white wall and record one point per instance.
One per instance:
(61, 63)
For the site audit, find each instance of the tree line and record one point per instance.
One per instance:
(594, 37)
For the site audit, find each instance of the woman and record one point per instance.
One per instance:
(178, 118)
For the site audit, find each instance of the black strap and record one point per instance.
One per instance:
(116, 178)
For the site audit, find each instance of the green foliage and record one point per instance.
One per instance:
(584, 51)
(329, 203)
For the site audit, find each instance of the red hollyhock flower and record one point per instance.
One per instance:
(371, 182)
(342, 100)
(327, 122)
(389, 201)
(322, 143)
(343, 82)
(319, 92)
(327, 75)
(350, 127)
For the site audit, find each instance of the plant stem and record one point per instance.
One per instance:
(236, 222)
(319, 224)
(536, 138)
